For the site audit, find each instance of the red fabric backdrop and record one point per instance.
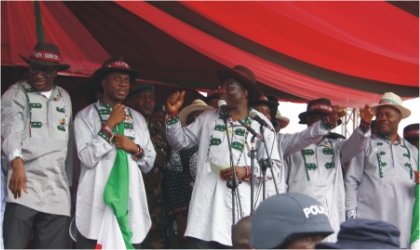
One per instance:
(349, 52)
(77, 46)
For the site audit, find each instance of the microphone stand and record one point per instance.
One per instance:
(234, 183)
(267, 163)
(253, 153)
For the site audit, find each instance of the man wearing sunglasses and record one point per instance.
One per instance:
(37, 132)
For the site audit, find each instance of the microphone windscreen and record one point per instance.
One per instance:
(221, 103)
(253, 114)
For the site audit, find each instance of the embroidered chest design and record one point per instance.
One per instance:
(104, 110)
(238, 136)
(382, 152)
(35, 107)
(328, 150)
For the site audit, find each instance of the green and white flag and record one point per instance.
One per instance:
(115, 232)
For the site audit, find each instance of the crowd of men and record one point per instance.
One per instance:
(216, 174)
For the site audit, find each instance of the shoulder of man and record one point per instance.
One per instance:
(13, 93)
(88, 111)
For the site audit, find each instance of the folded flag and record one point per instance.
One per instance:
(115, 232)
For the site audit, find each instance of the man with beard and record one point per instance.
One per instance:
(380, 180)
(142, 99)
(96, 128)
(37, 131)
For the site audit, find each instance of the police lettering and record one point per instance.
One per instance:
(314, 210)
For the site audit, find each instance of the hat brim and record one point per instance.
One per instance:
(271, 105)
(265, 233)
(284, 121)
(405, 112)
(187, 110)
(254, 91)
(60, 67)
(302, 116)
(354, 245)
(99, 74)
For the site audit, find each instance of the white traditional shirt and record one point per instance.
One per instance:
(97, 156)
(317, 171)
(210, 211)
(380, 183)
(40, 131)
(291, 143)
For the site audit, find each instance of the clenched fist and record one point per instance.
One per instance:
(175, 101)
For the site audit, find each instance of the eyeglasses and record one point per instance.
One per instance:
(227, 87)
(45, 71)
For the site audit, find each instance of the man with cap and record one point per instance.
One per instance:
(179, 179)
(364, 234)
(411, 134)
(289, 221)
(210, 211)
(37, 130)
(265, 107)
(316, 169)
(281, 121)
(213, 97)
(380, 180)
(96, 128)
(159, 114)
(142, 99)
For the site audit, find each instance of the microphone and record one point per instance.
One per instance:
(251, 130)
(222, 105)
(254, 116)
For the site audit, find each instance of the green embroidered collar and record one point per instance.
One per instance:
(387, 138)
(106, 105)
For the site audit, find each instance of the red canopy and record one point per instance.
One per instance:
(77, 46)
(349, 52)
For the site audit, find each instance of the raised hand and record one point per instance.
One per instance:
(366, 114)
(175, 101)
(116, 117)
(18, 179)
(336, 113)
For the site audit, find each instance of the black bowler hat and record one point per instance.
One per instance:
(142, 87)
(244, 76)
(411, 131)
(321, 105)
(114, 64)
(46, 54)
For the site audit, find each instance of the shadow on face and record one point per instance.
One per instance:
(42, 77)
(233, 92)
(116, 86)
(387, 120)
(263, 109)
